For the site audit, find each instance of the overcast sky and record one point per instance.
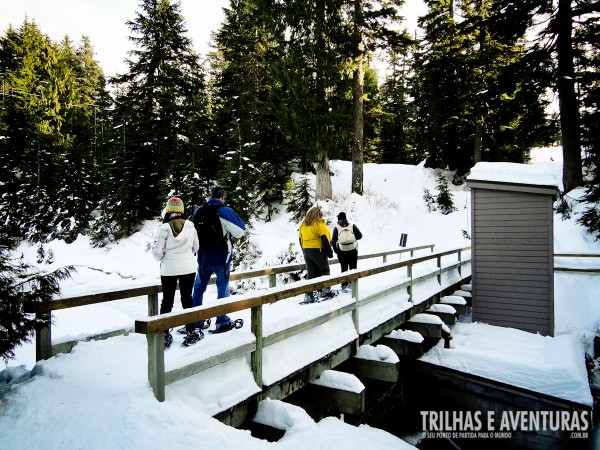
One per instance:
(104, 22)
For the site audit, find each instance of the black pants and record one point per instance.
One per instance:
(348, 260)
(169, 285)
(316, 262)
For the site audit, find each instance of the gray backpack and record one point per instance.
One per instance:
(346, 239)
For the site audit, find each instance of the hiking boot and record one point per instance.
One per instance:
(168, 340)
(191, 338)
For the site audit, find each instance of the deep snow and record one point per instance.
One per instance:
(98, 395)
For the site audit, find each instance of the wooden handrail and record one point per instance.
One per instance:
(83, 300)
(227, 305)
(575, 269)
(43, 336)
(577, 255)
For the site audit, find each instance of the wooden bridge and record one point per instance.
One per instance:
(421, 280)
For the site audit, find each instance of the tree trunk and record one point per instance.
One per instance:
(567, 99)
(357, 94)
(478, 134)
(479, 112)
(324, 190)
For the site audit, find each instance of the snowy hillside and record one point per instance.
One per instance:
(98, 396)
(392, 204)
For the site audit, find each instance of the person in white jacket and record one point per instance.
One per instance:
(175, 245)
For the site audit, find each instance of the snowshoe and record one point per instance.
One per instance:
(168, 340)
(237, 323)
(191, 338)
(327, 294)
(204, 325)
(309, 297)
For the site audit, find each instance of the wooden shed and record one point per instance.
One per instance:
(512, 245)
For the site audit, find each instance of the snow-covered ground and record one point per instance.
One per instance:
(98, 395)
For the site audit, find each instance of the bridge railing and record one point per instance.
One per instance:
(561, 268)
(43, 339)
(153, 327)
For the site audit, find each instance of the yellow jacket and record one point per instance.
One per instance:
(310, 236)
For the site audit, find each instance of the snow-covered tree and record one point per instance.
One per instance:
(21, 284)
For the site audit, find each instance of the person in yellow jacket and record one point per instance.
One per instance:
(315, 241)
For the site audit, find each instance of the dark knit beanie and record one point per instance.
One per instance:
(342, 216)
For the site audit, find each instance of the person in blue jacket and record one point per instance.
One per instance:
(218, 261)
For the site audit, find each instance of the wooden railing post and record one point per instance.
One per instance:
(153, 304)
(460, 263)
(355, 315)
(272, 280)
(439, 277)
(409, 289)
(385, 258)
(256, 325)
(43, 338)
(156, 364)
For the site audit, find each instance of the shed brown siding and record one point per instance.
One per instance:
(513, 281)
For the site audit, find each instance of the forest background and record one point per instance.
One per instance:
(289, 86)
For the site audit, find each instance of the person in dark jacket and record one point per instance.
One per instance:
(218, 261)
(346, 249)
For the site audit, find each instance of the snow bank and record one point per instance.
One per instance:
(553, 366)
(541, 174)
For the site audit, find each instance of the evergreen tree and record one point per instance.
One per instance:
(158, 120)
(308, 78)
(21, 284)
(439, 90)
(373, 112)
(374, 24)
(29, 115)
(300, 198)
(562, 27)
(508, 104)
(588, 45)
(270, 194)
(444, 198)
(49, 186)
(397, 129)
(475, 88)
(249, 136)
(77, 196)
